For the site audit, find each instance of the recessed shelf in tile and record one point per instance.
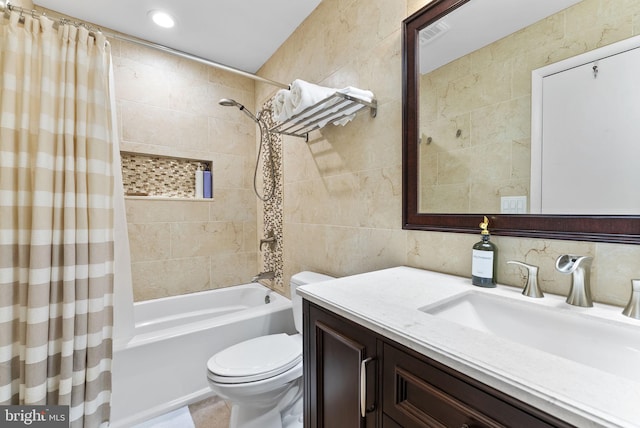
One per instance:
(153, 175)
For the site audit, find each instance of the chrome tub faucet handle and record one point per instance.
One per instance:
(268, 240)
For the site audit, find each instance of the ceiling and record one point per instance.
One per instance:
(238, 33)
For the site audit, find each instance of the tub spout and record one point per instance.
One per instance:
(263, 275)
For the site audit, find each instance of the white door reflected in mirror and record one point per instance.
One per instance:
(585, 133)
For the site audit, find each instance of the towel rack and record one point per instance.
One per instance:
(329, 110)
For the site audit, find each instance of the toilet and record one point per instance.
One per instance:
(262, 377)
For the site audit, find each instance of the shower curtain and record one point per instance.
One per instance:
(56, 218)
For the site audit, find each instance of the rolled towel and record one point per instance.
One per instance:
(279, 105)
(305, 94)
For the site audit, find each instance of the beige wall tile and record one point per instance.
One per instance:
(205, 239)
(152, 125)
(140, 82)
(380, 198)
(229, 171)
(616, 266)
(231, 136)
(233, 205)
(27, 4)
(415, 5)
(233, 269)
(340, 251)
(251, 237)
(163, 211)
(170, 277)
(336, 177)
(149, 241)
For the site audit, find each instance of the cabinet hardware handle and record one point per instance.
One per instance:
(363, 386)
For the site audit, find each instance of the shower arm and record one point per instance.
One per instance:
(6, 6)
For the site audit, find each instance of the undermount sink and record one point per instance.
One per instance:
(599, 343)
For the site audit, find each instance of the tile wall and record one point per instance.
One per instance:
(343, 190)
(168, 106)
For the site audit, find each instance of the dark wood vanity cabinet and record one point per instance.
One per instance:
(340, 371)
(403, 388)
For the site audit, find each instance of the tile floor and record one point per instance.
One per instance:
(210, 413)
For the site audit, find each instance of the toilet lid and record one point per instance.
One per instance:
(256, 359)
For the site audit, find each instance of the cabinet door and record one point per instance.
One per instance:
(340, 372)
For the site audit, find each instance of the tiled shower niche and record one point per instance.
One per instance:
(160, 176)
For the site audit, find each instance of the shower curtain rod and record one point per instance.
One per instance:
(7, 6)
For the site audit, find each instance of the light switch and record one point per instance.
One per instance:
(513, 205)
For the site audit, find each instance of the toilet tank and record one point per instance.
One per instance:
(297, 280)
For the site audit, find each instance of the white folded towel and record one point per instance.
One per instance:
(343, 118)
(362, 94)
(349, 114)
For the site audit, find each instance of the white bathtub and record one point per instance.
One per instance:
(163, 367)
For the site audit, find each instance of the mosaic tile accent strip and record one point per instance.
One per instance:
(273, 257)
(148, 175)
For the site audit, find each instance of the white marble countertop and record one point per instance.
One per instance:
(387, 302)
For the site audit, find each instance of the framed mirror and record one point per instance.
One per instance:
(489, 131)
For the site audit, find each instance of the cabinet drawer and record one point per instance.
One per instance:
(421, 393)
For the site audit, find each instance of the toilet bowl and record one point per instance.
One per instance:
(262, 377)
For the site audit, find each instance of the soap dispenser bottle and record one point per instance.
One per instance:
(484, 259)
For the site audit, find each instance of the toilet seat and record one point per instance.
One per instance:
(256, 359)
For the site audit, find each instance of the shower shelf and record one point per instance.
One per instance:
(329, 110)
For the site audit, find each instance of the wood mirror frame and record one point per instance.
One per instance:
(601, 228)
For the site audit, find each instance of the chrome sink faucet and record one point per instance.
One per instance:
(633, 307)
(264, 275)
(580, 269)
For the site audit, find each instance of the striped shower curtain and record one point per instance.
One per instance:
(56, 218)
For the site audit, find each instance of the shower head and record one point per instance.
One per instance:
(227, 102)
(230, 103)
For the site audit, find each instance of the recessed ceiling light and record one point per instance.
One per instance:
(162, 19)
